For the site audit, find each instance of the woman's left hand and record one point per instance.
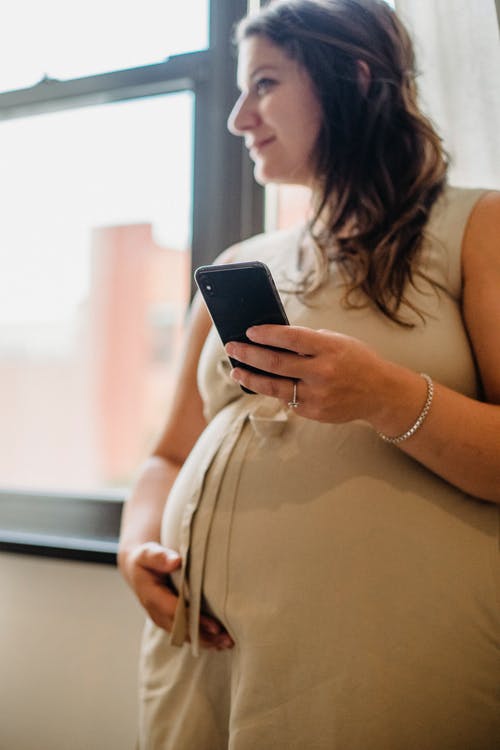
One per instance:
(338, 377)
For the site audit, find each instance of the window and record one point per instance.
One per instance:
(118, 178)
(65, 41)
(95, 235)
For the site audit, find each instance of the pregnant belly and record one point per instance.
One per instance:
(320, 509)
(184, 497)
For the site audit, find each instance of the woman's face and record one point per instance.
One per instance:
(278, 113)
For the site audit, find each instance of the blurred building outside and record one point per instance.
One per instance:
(99, 388)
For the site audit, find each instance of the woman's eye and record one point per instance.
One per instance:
(263, 85)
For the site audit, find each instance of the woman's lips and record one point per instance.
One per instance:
(256, 148)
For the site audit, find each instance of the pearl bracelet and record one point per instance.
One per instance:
(420, 419)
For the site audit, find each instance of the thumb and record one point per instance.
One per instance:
(158, 558)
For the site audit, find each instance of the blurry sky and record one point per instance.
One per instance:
(64, 173)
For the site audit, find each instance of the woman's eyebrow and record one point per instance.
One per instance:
(259, 70)
(253, 75)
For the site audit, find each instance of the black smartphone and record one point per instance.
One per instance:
(240, 295)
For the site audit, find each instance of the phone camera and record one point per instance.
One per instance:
(209, 288)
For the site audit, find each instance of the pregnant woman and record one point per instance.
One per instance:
(319, 560)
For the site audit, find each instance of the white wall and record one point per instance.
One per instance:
(69, 641)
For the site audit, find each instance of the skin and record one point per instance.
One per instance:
(342, 378)
(277, 113)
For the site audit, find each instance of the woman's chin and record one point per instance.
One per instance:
(265, 176)
(262, 175)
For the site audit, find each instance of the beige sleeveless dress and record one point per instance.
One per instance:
(361, 590)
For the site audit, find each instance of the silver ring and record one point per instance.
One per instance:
(294, 403)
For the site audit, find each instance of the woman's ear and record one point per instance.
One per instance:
(364, 76)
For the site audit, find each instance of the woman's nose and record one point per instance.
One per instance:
(243, 116)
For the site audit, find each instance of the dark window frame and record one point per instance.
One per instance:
(227, 206)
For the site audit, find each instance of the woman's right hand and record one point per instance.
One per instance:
(146, 568)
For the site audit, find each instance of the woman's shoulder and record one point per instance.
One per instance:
(482, 232)
(456, 202)
(445, 232)
(455, 209)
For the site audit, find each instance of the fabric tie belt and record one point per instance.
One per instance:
(267, 420)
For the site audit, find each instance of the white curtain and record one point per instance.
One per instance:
(457, 44)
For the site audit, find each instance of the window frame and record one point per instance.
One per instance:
(228, 206)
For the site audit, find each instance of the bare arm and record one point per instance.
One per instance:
(343, 379)
(461, 437)
(142, 560)
(144, 508)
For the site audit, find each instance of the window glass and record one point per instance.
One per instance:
(94, 250)
(62, 39)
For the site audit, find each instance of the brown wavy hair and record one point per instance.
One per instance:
(379, 164)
